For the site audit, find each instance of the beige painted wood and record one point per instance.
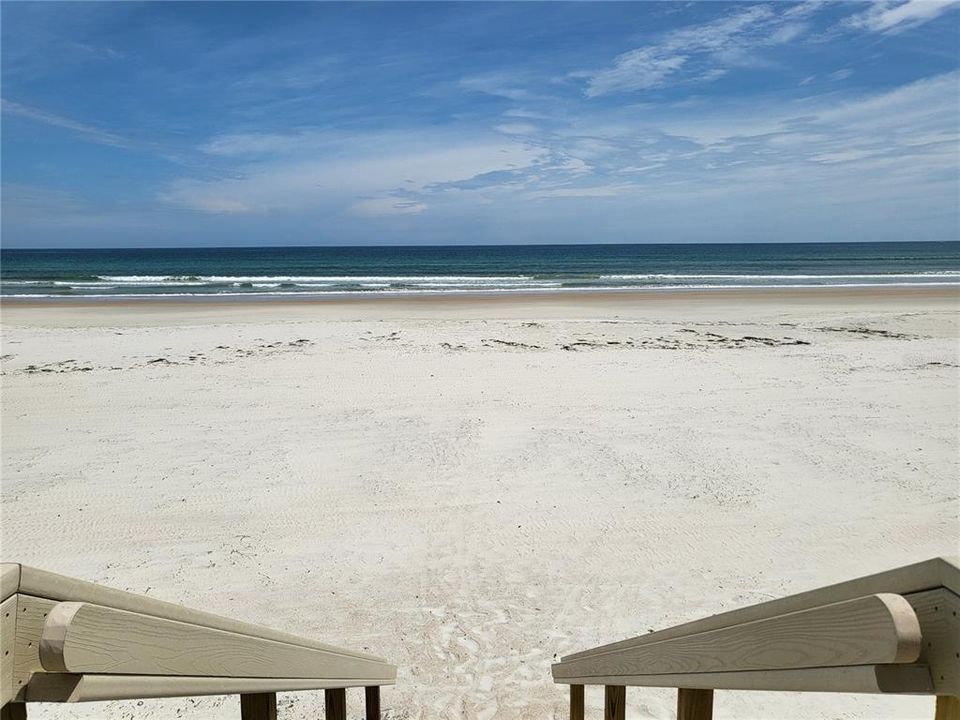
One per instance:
(14, 711)
(939, 614)
(694, 704)
(948, 708)
(9, 579)
(8, 632)
(86, 638)
(41, 583)
(912, 678)
(258, 706)
(869, 630)
(31, 615)
(926, 575)
(57, 687)
(614, 702)
(335, 704)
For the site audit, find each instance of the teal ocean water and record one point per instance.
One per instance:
(236, 272)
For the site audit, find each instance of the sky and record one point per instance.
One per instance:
(227, 124)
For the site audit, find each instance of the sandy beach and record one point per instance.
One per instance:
(473, 487)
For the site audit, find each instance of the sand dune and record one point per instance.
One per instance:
(475, 488)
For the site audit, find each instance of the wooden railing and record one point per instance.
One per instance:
(894, 632)
(65, 640)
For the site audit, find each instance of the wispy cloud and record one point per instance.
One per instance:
(503, 85)
(905, 137)
(700, 52)
(895, 16)
(594, 191)
(308, 171)
(43, 207)
(388, 206)
(99, 52)
(516, 128)
(252, 144)
(490, 124)
(88, 132)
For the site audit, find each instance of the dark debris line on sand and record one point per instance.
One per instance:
(868, 332)
(66, 366)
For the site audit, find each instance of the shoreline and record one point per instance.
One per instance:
(926, 290)
(547, 305)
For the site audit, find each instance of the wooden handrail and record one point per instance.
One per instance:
(871, 630)
(926, 575)
(86, 638)
(893, 632)
(65, 640)
(43, 584)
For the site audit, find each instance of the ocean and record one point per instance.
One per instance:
(284, 271)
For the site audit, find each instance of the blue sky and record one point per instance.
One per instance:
(183, 123)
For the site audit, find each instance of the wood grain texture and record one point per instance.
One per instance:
(866, 631)
(9, 579)
(614, 702)
(31, 615)
(926, 575)
(41, 583)
(938, 612)
(694, 704)
(258, 706)
(85, 638)
(59, 687)
(335, 704)
(576, 702)
(371, 703)
(911, 678)
(14, 711)
(948, 708)
(8, 633)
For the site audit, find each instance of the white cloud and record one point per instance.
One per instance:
(705, 51)
(516, 128)
(310, 171)
(893, 17)
(642, 168)
(816, 149)
(600, 191)
(88, 132)
(237, 144)
(217, 205)
(388, 206)
(635, 70)
(823, 149)
(500, 85)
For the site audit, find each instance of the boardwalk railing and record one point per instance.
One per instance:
(65, 640)
(894, 632)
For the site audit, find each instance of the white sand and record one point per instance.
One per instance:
(404, 482)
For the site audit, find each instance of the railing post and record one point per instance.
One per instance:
(335, 703)
(948, 708)
(614, 702)
(258, 706)
(372, 702)
(694, 704)
(576, 702)
(14, 711)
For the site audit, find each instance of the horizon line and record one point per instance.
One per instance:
(471, 245)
